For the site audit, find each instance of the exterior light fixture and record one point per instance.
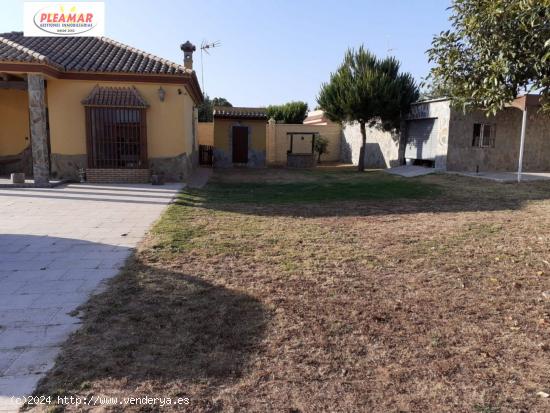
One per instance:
(162, 94)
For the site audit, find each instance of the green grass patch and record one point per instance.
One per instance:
(325, 190)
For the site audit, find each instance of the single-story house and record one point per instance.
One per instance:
(436, 134)
(239, 136)
(473, 142)
(69, 104)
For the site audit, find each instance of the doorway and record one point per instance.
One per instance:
(240, 144)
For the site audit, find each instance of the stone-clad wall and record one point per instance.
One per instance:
(21, 162)
(67, 166)
(382, 150)
(173, 169)
(462, 156)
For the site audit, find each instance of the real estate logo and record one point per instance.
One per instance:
(64, 19)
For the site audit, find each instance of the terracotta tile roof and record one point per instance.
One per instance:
(238, 112)
(122, 97)
(84, 54)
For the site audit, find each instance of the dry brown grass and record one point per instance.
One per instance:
(427, 305)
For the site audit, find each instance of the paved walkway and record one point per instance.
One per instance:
(56, 247)
(410, 171)
(507, 176)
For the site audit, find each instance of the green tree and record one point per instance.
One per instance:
(320, 146)
(495, 50)
(291, 112)
(221, 102)
(433, 89)
(368, 90)
(206, 108)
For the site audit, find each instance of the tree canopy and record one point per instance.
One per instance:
(433, 89)
(495, 50)
(291, 112)
(368, 90)
(206, 108)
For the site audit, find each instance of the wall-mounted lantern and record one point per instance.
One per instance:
(162, 94)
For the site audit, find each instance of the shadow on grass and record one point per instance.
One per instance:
(153, 324)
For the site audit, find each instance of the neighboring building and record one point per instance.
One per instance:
(239, 137)
(96, 104)
(317, 117)
(474, 142)
(435, 134)
(244, 137)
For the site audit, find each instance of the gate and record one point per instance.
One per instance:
(206, 155)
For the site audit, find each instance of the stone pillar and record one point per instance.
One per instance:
(39, 134)
(271, 145)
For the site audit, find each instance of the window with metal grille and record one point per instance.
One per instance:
(484, 135)
(116, 137)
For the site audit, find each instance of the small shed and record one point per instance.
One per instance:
(239, 137)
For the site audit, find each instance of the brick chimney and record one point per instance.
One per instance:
(188, 49)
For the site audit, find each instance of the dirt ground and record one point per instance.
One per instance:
(435, 304)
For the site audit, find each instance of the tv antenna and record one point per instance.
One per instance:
(205, 46)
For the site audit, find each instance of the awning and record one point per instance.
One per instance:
(115, 97)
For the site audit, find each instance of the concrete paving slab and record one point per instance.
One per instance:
(410, 171)
(58, 246)
(7, 358)
(27, 317)
(33, 361)
(506, 176)
(13, 388)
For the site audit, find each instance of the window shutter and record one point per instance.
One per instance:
(477, 134)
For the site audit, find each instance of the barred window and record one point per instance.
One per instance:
(484, 135)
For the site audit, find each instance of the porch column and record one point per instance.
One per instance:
(39, 134)
(522, 142)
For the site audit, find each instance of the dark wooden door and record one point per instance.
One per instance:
(240, 144)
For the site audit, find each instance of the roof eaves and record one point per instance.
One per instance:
(37, 57)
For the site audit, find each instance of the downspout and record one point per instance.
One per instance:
(522, 142)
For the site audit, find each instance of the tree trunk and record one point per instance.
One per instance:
(362, 152)
(403, 132)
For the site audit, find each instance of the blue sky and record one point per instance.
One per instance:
(271, 51)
